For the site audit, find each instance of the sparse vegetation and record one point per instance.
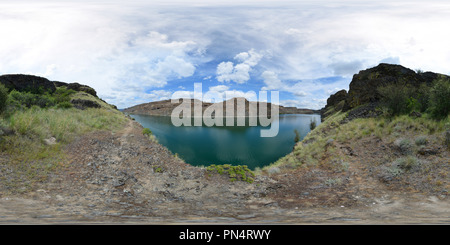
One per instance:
(312, 124)
(3, 97)
(146, 131)
(33, 118)
(239, 172)
(439, 98)
(297, 136)
(402, 98)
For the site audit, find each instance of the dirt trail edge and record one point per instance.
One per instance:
(125, 178)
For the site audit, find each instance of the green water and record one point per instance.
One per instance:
(236, 145)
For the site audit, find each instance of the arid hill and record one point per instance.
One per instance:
(165, 107)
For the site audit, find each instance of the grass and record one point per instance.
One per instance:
(29, 160)
(407, 132)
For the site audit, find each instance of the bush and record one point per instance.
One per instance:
(65, 105)
(239, 172)
(404, 145)
(398, 98)
(146, 131)
(407, 163)
(62, 94)
(28, 99)
(440, 98)
(421, 140)
(312, 124)
(3, 97)
(297, 136)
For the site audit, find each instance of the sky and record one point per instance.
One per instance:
(134, 52)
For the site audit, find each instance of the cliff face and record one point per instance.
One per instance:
(165, 107)
(364, 85)
(36, 84)
(363, 89)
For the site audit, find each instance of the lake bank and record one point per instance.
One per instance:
(235, 145)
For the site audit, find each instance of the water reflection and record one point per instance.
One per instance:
(228, 144)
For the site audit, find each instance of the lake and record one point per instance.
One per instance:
(235, 145)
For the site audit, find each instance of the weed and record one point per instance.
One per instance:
(146, 131)
(406, 163)
(421, 140)
(312, 124)
(297, 136)
(333, 181)
(239, 172)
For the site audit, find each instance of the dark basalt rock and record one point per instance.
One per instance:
(83, 104)
(27, 83)
(77, 87)
(334, 103)
(364, 85)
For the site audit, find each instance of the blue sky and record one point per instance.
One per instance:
(134, 52)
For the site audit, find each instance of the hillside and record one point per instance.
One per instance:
(165, 107)
(368, 148)
(69, 157)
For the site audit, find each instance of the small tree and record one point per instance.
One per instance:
(440, 98)
(297, 136)
(312, 124)
(398, 98)
(3, 97)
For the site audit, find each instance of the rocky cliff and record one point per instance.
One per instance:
(36, 84)
(363, 89)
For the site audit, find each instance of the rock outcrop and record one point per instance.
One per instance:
(364, 85)
(363, 90)
(334, 103)
(27, 83)
(39, 85)
(77, 87)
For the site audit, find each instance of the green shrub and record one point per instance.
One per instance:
(398, 98)
(146, 131)
(297, 136)
(312, 124)
(62, 94)
(240, 172)
(406, 163)
(440, 98)
(3, 97)
(28, 99)
(64, 105)
(404, 145)
(421, 140)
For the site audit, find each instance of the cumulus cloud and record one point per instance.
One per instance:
(127, 50)
(239, 73)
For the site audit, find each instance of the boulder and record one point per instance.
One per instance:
(83, 104)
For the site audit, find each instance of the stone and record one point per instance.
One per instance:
(84, 104)
(50, 141)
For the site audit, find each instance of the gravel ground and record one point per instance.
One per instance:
(125, 178)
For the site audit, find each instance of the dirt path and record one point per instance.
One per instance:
(123, 177)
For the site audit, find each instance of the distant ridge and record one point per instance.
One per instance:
(165, 107)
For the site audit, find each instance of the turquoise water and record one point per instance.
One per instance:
(236, 145)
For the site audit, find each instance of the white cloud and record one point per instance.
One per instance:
(219, 88)
(125, 50)
(272, 82)
(239, 73)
